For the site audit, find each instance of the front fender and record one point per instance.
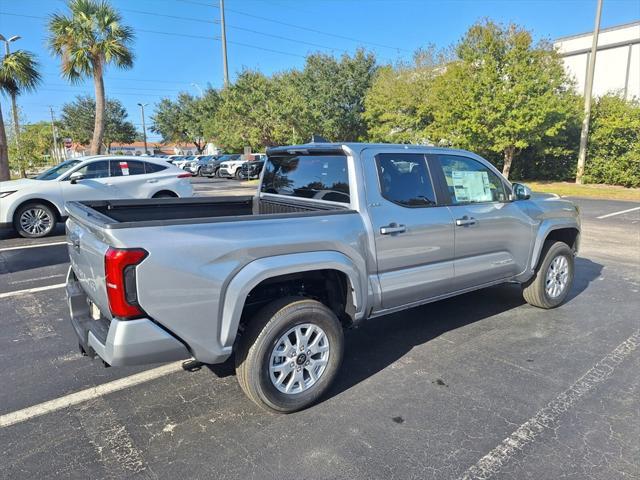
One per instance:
(264, 268)
(546, 227)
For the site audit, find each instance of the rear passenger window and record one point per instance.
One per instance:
(404, 179)
(124, 168)
(98, 169)
(321, 177)
(153, 168)
(469, 181)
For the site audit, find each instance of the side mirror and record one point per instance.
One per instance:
(521, 192)
(75, 176)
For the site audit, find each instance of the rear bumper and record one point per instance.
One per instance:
(120, 342)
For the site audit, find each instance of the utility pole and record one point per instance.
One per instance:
(588, 87)
(225, 65)
(53, 132)
(144, 128)
(14, 105)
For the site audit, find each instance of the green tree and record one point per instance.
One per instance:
(18, 74)
(613, 155)
(78, 120)
(334, 92)
(36, 144)
(503, 94)
(255, 111)
(92, 37)
(397, 105)
(184, 120)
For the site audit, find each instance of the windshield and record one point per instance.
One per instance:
(55, 172)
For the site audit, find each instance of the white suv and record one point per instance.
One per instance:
(33, 206)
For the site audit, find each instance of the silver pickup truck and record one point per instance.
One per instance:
(336, 234)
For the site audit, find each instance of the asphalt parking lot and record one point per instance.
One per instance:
(478, 386)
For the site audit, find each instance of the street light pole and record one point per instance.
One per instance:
(588, 88)
(225, 65)
(144, 128)
(53, 132)
(14, 105)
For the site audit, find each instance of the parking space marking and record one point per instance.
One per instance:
(618, 213)
(548, 417)
(37, 279)
(31, 290)
(82, 396)
(35, 245)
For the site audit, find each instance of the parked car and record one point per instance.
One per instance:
(196, 165)
(231, 168)
(336, 234)
(212, 167)
(251, 170)
(33, 206)
(181, 162)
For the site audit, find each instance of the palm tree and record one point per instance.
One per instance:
(92, 37)
(18, 74)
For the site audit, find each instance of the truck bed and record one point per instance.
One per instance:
(175, 211)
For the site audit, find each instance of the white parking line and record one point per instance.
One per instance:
(88, 394)
(36, 245)
(548, 417)
(618, 213)
(31, 290)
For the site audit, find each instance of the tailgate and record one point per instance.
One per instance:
(86, 253)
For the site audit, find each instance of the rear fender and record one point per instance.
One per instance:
(264, 268)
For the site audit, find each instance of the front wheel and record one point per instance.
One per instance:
(237, 174)
(290, 354)
(34, 220)
(552, 281)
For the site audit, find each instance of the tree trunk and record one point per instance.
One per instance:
(16, 126)
(98, 127)
(4, 152)
(508, 158)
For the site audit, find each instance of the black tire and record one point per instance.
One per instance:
(535, 291)
(237, 174)
(261, 337)
(39, 230)
(215, 172)
(165, 195)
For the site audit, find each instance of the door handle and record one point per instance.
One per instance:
(392, 228)
(154, 180)
(461, 222)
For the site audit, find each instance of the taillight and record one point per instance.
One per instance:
(185, 175)
(120, 278)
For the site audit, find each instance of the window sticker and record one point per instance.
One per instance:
(471, 186)
(124, 166)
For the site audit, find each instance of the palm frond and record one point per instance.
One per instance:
(19, 72)
(88, 39)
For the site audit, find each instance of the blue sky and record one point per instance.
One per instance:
(175, 43)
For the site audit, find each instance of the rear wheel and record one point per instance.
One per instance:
(34, 220)
(553, 279)
(165, 194)
(290, 354)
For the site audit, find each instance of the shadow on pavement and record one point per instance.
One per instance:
(380, 342)
(30, 258)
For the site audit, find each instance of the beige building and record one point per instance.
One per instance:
(617, 59)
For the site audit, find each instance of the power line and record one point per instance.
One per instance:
(117, 87)
(300, 27)
(244, 29)
(174, 34)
